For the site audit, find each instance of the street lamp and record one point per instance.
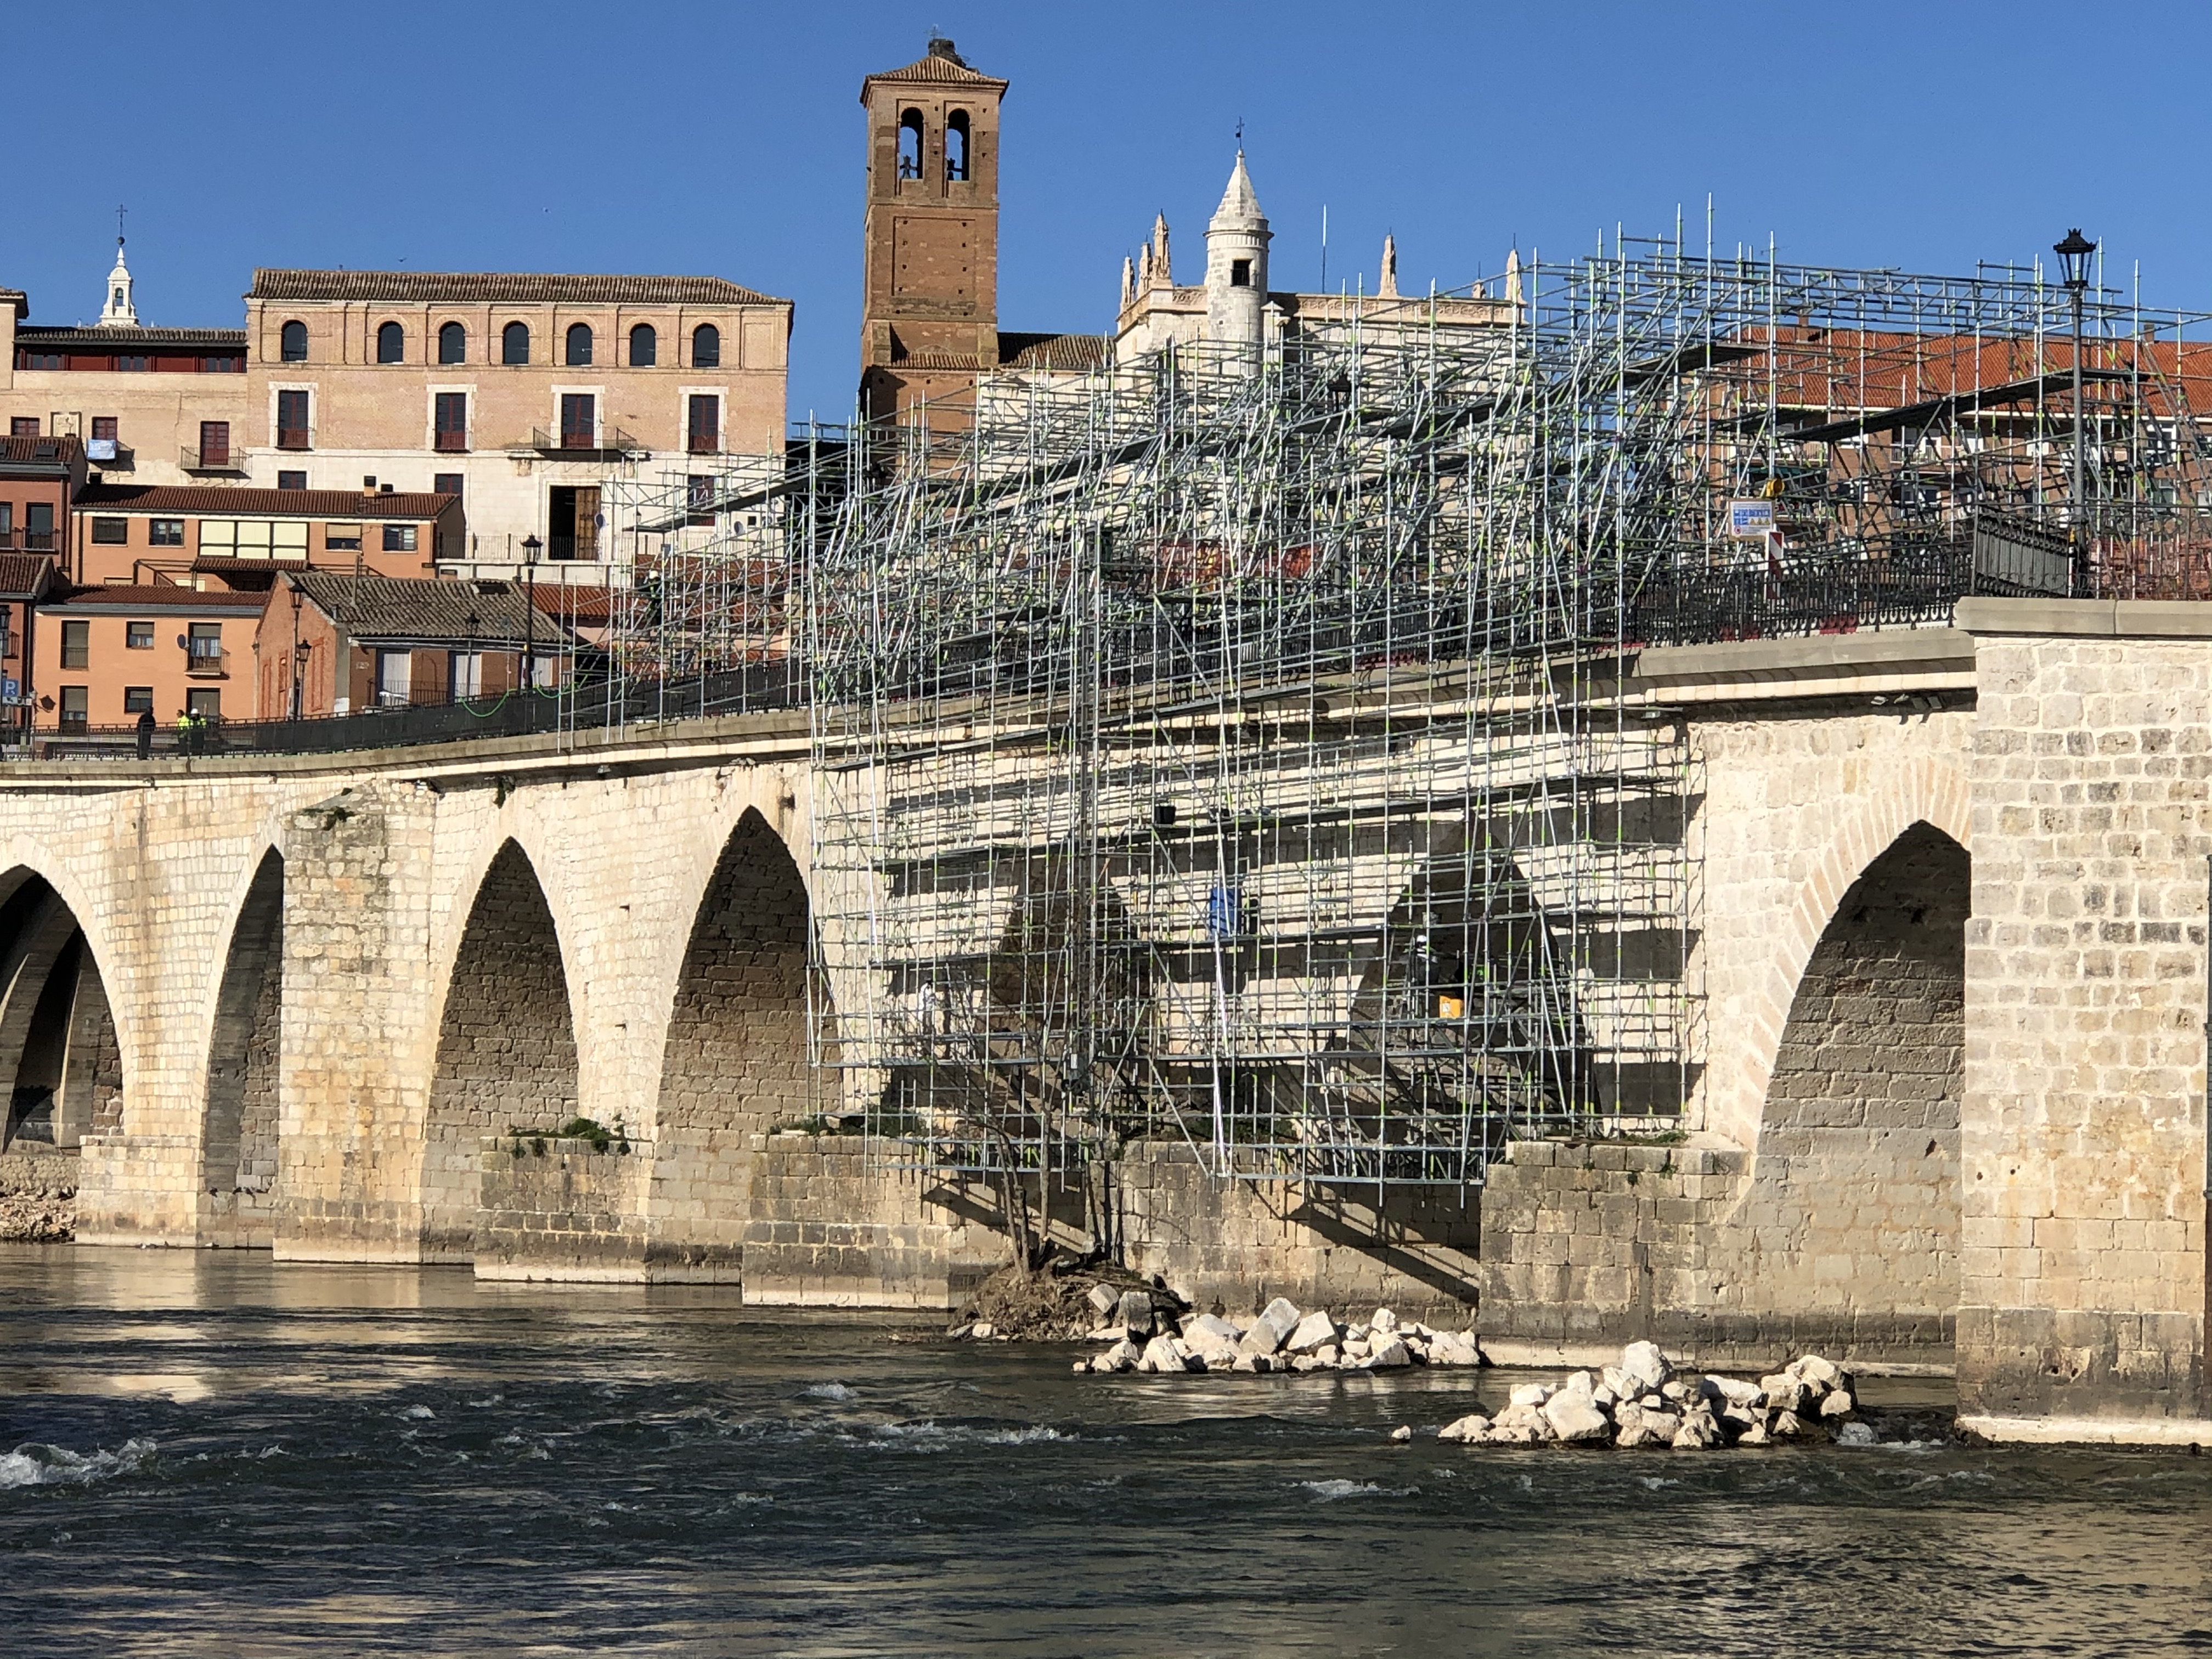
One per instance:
(2075, 253)
(530, 547)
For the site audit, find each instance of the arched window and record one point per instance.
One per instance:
(293, 342)
(390, 344)
(644, 346)
(706, 346)
(580, 345)
(909, 160)
(514, 343)
(453, 343)
(955, 147)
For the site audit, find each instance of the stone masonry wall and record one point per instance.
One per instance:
(506, 1048)
(1853, 1208)
(2082, 1283)
(734, 1063)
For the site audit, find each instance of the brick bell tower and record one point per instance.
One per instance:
(930, 305)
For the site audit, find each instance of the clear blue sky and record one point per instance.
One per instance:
(726, 140)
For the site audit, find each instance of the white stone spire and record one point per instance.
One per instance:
(1513, 277)
(1386, 287)
(1162, 273)
(119, 312)
(1237, 238)
(1128, 283)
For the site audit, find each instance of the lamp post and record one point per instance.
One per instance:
(530, 547)
(2075, 253)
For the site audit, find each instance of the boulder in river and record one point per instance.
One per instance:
(1271, 1326)
(1313, 1332)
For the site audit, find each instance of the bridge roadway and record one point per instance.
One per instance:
(1950, 939)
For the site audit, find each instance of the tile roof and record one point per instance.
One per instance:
(225, 499)
(20, 452)
(1072, 352)
(945, 68)
(17, 298)
(581, 605)
(120, 597)
(107, 338)
(25, 575)
(514, 287)
(424, 610)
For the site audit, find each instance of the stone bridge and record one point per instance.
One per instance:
(1950, 938)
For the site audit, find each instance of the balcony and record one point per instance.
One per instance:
(292, 437)
(613, 444)
(212, 462)
(207, 661)
(30, 541)
(453, 443)
(112, 455)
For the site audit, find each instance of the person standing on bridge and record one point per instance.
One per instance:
(145, 734)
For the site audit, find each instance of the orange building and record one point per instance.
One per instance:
(206, 535)
(330, 644)
(102, 656)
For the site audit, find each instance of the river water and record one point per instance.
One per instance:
(207, 1453)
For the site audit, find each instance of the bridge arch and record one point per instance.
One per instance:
(733, 1060)
(62, 1043)
(239, 1124)
(1926, 792)
(1851, 1215)
(506, 1055)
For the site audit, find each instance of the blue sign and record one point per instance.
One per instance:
(1751, 520)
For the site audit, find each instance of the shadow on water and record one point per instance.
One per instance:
(207, 1454)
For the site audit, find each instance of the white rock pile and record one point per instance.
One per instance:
(1643, 1402)
(1279, 1338)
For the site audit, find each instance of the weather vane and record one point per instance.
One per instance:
(118, 223)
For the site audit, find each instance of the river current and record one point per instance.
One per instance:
(210, 1453)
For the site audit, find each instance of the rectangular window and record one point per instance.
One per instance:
(207, 703)
(699, 500)
(703, 435)
(446, 483)
(291, 481)
(6, 524)
(215, 443)
(77, 645)
(138, 636)
(22, 426)
(394, 676)
(221, 365)
(400, 538)
(42, 360)
(111, 532)
(38, 526)
(75, 706)
(134, 365)
(465, 674)
(138, 699)
(292, 420)
(1240, 273)
(452, 421)
(578, 421)
(103, 427)
(203, 647)
(342, 538)
(166, 533)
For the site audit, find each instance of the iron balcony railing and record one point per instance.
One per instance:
(210, 459)
(610, 441)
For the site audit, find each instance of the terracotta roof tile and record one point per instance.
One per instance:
(25, 451)
(514, 287)
(107, 338)
(943, 71)
(274, 503)
(1067, 352)
(118, 597)
(25, 575)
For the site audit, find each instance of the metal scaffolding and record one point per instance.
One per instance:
(1247, 748)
